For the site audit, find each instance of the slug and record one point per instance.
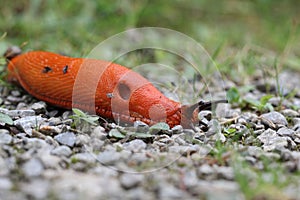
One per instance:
(119, 93)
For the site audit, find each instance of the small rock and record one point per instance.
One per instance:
(177, 129)
(5, 137)
(62, 151)
(15, 93)
(28, 123)
(4, 168)
(84, 157)
(49, 130)
(205, 170)
(214, 127)
(141, 126)
(275, 118)
(54, 121)
(184, 150)
(285, 132)
(33, 167)
(129, 181)
(108, 157)
(39, 107)
(82, 140)
(290, 113)
(224, 110)
(169, 191)
(20, 113)
(5, 184)
(99, 132)
(272, 141)
(37, 188)
(225, 172)
(135, 146)
(66, 138)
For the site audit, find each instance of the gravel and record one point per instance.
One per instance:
(42, 156)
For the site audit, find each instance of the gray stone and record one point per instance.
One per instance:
(37, 188)
(5, 183)
(28, 123)
(5, 137)
(220, 189)
(129, 181)
(205, 170)
(108, 157)
(54, 121)
(141, 126)
(84, 157)
(168, 191)
(62, 151)
(99, 133)
(272, 141)
(136, 145)
(66, 138)
(4, 170)
(290, 113)
(184, 150)
(177, 129)
(285, 132)
(225, 172)
(224, 110)
(33, 168)
(39, 107)
(20, 113)
(275, 118)
(82, 139)
(214, 127)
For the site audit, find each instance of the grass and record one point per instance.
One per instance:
(244, 39)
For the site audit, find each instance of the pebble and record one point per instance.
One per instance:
(37, 188)
(84, 157)
(28, 123)
(141, 127)
(20, 113)
(66, 138)
(273, 119)
(108, 157)
(285, 132)
(135, 146)
(39, 107)
(99, 133)
(5, 137)
(5, 183)
(33, 167)
(290, 113)
(129, 181)
(272, 141)
(62, 151)
(177, 129)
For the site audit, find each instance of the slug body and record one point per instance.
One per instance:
(108, 89)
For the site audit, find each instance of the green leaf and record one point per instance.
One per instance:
(116, 134)
(79, 112)
(230, 130)
(4, 118)
(91, 120)
(264, 100)
(233, 95)
(162, 126)
(253, 102)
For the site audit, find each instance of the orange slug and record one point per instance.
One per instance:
(120, 93)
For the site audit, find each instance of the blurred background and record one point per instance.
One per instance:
(238, 34)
